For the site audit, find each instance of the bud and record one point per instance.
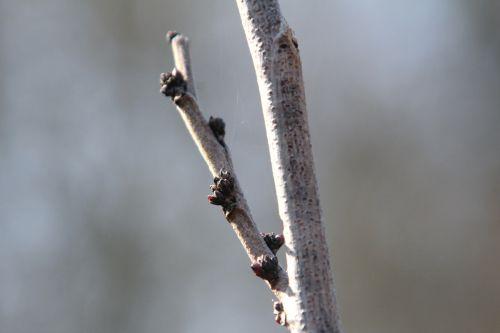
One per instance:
(218, 127)
(266, 267)
(214, 200)
(279, 313)
(172, 84)
(273, 241)
(222, 189)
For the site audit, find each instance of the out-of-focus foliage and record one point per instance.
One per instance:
(104, 224)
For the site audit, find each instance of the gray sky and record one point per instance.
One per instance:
(101, 232)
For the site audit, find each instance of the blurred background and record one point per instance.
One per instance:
(104, 222)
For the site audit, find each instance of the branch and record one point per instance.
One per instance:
(310, 305)
(209, 137)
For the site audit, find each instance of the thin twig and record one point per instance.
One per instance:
(227, 192)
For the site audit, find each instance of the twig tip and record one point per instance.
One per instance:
(171, 35)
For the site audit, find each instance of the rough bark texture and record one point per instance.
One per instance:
(217, 157)
(310, 304)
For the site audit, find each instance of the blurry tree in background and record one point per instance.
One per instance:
(96, 234)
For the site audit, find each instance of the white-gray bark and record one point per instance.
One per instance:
(310, 305)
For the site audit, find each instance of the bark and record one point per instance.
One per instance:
(310, 304)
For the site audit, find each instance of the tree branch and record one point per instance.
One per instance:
(310, 305)
(227, 193)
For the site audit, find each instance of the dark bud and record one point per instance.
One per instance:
(218, 194)
(279, 313)
(278, 306)
(273, 241)
(215, 201)
(226, 186)
(223, 192)
(224, 174)
(172, 84)
(266, 267)
(218, 127)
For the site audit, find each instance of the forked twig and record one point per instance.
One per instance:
(209, 138)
